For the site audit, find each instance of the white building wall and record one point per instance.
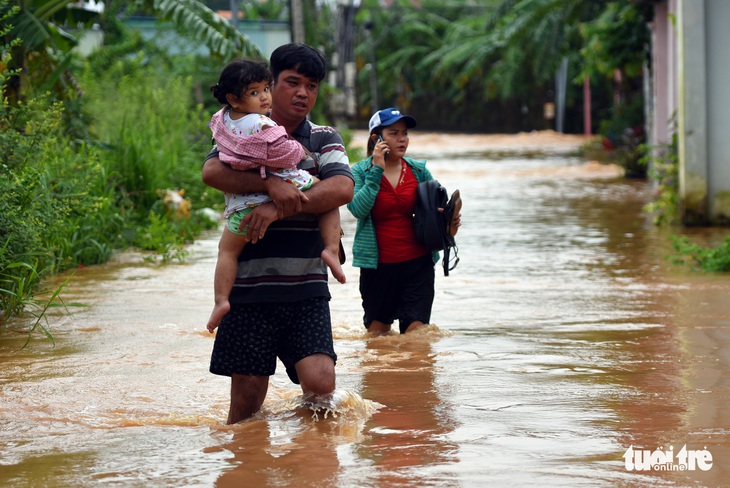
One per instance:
(717, 40)
(692, 122)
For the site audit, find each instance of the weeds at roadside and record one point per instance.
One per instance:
(713, 260)
(18, 287)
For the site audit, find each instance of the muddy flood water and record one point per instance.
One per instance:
(565, 351)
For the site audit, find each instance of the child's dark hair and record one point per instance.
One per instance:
(237, 75)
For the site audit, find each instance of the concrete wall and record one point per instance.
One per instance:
(690, 68)
(664, 75)
(704, 111)
(692, 123)
(717, 32)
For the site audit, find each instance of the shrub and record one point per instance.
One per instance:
(45, 201)
(663, 171)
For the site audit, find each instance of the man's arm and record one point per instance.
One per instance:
(224, 178)
(328, 194)
(325, 195)
(287, 197)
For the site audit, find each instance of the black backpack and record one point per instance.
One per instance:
(432, 225)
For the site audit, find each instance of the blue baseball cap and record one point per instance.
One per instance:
(389, 116)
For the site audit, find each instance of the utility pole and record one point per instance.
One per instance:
(374, 102)
(296, 8)
(587, 129)
(234, 13)
(561, 82)
(345, 104)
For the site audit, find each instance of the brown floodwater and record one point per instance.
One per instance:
(563, 338)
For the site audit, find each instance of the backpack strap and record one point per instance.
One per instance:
(453, 207)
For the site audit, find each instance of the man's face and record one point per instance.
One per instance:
(294, 96)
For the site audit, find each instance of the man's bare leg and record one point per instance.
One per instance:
(316, 374)
(247, 396)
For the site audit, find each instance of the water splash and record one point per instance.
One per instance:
(342, 405)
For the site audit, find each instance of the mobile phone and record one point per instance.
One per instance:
(387, 153)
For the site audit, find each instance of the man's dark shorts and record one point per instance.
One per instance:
(402, 291)
(251, 336)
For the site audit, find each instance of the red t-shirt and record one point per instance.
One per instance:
(393, 219)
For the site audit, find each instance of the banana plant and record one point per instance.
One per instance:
(44, 54)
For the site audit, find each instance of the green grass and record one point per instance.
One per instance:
(80, 180)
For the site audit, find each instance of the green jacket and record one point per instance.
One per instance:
(367, 184)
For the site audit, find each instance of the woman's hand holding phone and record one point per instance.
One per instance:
(386, 153)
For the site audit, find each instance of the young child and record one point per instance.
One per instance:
(244, 90)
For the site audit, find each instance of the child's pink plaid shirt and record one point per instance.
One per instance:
(267, 148)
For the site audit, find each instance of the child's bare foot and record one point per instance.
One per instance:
(332, 260)
(219, 311)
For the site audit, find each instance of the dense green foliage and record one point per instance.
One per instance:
(490, 66)
(46, 50)
(84, 176)
(67, 202)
